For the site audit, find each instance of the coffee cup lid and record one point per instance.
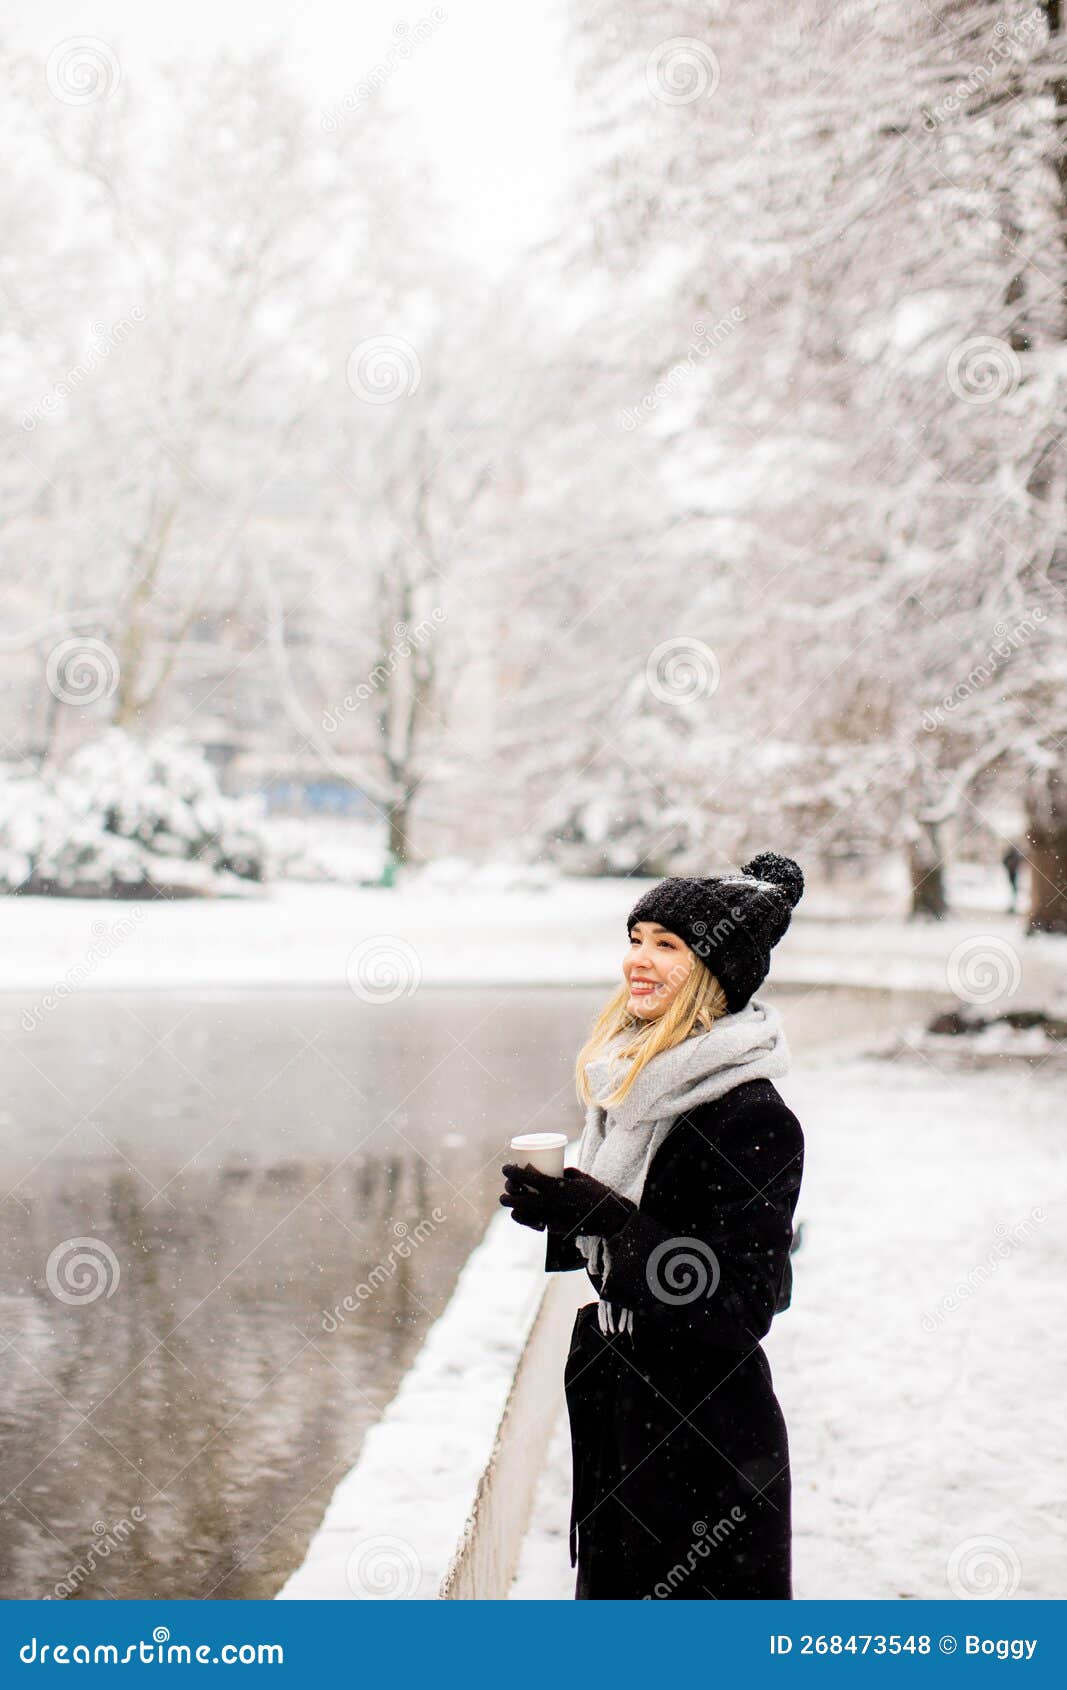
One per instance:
(539, 1141)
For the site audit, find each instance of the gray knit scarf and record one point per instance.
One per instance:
(617, 1146)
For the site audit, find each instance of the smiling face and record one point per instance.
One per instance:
(655, 968)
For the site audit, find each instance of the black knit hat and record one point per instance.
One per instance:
(731, 921)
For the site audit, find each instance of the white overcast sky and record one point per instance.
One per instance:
(488, 94)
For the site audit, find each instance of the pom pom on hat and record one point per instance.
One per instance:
(783, 871)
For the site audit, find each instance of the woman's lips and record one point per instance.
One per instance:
(641, 988)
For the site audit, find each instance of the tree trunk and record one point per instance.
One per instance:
(1046, 798)
(926, 872)
(1046, 850)
(51, 729)
(399, 843)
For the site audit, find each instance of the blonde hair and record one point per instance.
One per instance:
(699, 1002)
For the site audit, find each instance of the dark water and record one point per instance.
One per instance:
(180, 1394)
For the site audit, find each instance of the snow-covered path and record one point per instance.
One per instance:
(922, 1368)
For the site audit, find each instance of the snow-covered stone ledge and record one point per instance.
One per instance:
(439, 1499)
(487, 1556)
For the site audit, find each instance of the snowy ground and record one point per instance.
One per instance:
(925, 1438)
(921, 1368)
(439, 933)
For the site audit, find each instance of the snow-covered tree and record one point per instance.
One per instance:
(865, 203)
(213, 246)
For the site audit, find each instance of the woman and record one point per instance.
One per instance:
(681, 1210)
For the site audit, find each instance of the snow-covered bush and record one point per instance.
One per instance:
(123, 817)
(315, 849)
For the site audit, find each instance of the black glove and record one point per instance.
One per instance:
(576, 1203)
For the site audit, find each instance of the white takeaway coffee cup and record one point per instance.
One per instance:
(544, 1150)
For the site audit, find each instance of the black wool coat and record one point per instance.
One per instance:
(681, 1484)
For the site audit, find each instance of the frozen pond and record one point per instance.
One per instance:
(278, 1191)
